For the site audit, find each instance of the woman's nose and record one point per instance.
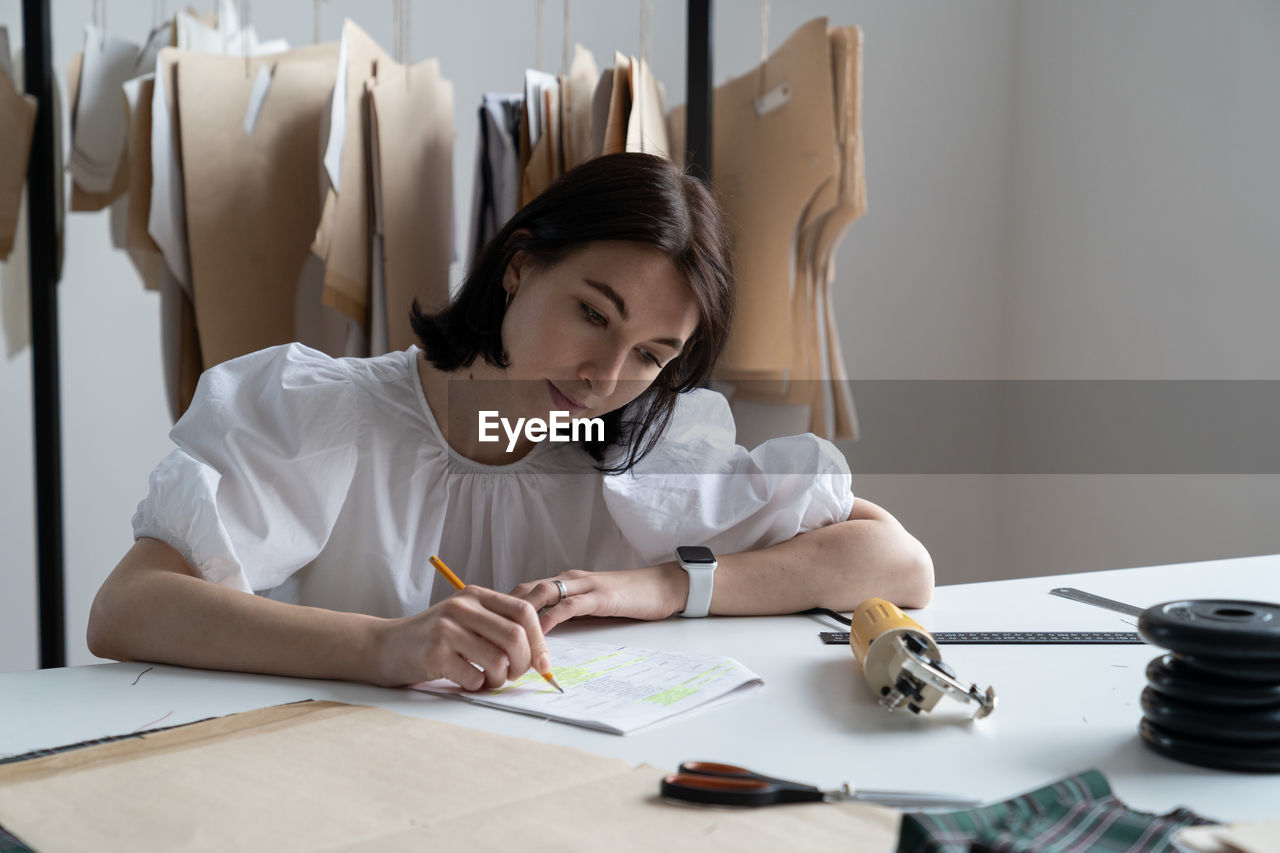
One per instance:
(603, 369)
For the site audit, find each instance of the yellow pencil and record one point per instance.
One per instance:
(458, 584)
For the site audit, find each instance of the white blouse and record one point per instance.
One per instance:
(327, 482)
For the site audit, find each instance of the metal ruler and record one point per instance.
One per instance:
(832, 638)
(1096, 600)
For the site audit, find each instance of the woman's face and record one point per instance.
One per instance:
(589, 334)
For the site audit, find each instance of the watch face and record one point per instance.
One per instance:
(695, 554)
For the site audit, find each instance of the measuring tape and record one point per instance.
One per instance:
(832, 638)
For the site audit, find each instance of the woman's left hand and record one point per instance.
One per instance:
(654, 592)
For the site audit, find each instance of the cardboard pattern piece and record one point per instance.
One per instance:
(615, 125)
(646, 123)
(576, 91)
(139, 190)
(250, 198)
(179, 341)
(166, 210)
(768, 168)
(342, 240)
(146, 259)
(818, 370)
(600, 111)
(17, 123)
(809, 371)
(846, 55)
(325, 775)
(411, 135)
(166, 227)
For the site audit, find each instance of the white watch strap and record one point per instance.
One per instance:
(702, 579)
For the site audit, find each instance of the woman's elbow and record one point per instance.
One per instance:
(103, 621)
(917, 576)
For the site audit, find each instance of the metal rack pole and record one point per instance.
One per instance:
(47, 422)
(698, 127)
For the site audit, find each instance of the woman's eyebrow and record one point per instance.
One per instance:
(611, 294)
(621, 304)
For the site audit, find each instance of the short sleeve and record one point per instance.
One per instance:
(700, 487)
(263, 460)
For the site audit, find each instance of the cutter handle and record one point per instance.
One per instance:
(872, 619)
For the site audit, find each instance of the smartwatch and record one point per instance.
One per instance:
(700, 564)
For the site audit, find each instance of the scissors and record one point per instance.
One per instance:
(728, 785)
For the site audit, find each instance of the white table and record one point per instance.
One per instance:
(1062, 709)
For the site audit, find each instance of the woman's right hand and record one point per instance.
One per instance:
(474, 627)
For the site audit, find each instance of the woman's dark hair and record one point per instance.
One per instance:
(633, 197)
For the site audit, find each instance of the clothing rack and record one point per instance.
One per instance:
(42, 222)
(45, 273)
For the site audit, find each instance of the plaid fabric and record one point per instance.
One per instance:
(1078, 813)
(10, 844)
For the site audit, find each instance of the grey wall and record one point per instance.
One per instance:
(1056, 190)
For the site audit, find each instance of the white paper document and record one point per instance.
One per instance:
(614, 688)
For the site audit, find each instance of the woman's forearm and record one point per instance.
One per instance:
(837, 566)
(154, 609)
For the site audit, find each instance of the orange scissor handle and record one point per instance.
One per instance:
(727, 784)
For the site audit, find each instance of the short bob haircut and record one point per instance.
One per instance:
(634, 197)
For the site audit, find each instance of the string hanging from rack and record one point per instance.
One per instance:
(646, 31)
(396, 33)
(764, 40)
(564, 41)
(315, 20)
(764, 30)
(244, 35)
(537, 34)
(402, 10)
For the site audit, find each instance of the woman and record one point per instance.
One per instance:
(324, 485)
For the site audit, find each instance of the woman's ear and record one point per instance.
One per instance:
(517, 266)
(515, 270)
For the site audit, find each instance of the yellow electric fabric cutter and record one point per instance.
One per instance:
(902, 663)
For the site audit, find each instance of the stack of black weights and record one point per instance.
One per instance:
(1215, 700)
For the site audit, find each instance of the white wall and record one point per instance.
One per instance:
(982, 256)
(1143, 246)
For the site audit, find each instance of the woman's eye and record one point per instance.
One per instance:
(651, 358)
(592, 315)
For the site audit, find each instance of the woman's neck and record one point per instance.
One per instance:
(456, 399)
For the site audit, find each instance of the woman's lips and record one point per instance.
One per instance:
(563, 402)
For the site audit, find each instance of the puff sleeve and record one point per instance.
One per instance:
(699, 487)
(263, 461)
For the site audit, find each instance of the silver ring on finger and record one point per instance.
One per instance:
(564, 593)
